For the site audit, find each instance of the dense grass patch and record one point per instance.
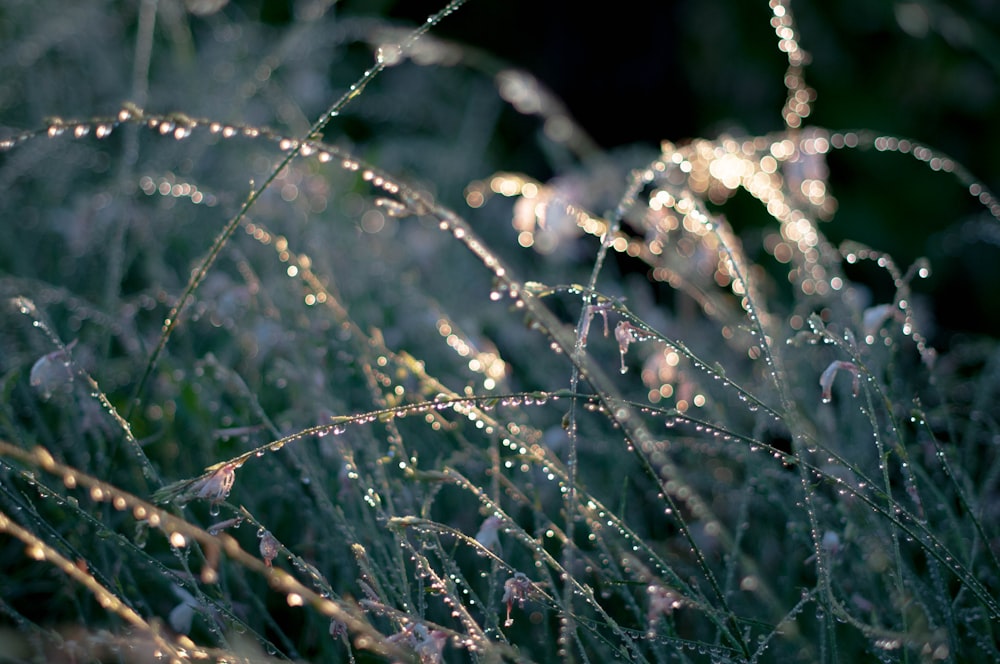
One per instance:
(299, 363)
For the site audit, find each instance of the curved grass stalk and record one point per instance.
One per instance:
(180, 534)
(220, 241)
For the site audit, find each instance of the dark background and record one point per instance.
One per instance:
(636, 71)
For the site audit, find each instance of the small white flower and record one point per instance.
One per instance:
(831, 542)
(874, 318)
(625, 334)
(826, 379)
(516, 589)
(426, 643)
(601, 308)
(181, 616)
(216, 487)
(337, 629)
(489, 534)
(52, 374)
(662, 601)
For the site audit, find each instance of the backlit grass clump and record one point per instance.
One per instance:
(295, 367)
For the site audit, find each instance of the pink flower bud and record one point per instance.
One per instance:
(268, 547)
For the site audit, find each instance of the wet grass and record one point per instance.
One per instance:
(308, 372)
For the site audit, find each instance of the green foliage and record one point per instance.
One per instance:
(297, 367)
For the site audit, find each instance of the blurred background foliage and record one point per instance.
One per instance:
(634, 73)
(641, 72)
